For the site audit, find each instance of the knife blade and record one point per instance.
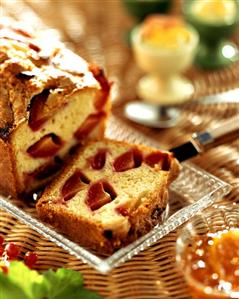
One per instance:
(230, 96)
(200, 141)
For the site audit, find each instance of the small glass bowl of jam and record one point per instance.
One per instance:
(207, 253)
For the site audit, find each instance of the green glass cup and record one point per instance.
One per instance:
(215, 50)
(141, 8)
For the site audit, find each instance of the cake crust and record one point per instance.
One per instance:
(8, 178)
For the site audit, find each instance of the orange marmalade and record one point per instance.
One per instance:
(211, 265)
(164, 32)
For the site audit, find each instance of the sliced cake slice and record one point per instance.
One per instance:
(110, 194)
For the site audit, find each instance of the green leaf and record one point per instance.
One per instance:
(8, 290)
(23, 283)
(62, 282)
(82, 294)
(23, 280)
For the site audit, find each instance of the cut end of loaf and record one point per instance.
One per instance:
(38, 152)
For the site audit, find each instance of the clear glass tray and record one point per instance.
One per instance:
(193, 191)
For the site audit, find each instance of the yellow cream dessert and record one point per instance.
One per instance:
(215, 10)
(165, 32)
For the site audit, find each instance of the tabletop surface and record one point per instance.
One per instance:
(97, 32)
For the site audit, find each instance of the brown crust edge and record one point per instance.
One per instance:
(92, 235)
(8, 184)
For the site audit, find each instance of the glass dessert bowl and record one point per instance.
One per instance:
(216, 21)
(207, 253)
(164, 47)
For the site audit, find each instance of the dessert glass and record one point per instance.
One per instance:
(215, 49)
(163, 84)
(207, 253)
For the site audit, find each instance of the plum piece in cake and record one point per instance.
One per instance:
(51, 100)
(115, 192)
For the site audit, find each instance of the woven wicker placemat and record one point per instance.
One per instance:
(96, 30)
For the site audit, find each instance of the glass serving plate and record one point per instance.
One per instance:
(193, 191)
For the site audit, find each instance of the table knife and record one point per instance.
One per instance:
(230, 96)
(200, 141)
